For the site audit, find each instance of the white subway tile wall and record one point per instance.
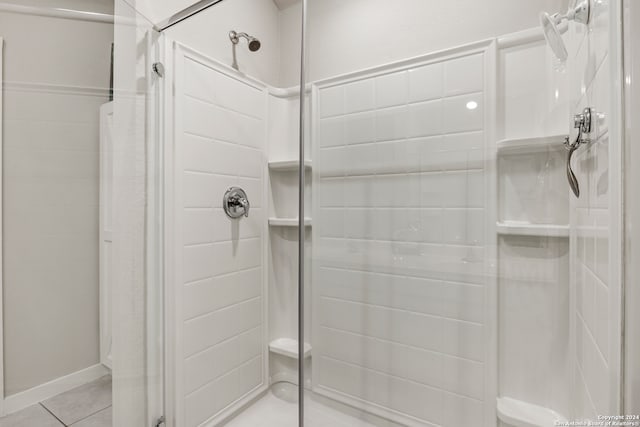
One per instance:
(591, 218)
(222, 144)
(399, 290)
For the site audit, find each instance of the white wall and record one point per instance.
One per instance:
(290, 45)
(345, 36)
(56, 78)
(219, 282)
(208, 33)
(97, 6)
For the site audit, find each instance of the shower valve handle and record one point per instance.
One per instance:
(235, 203)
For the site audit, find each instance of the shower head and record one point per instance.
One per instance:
(254, 43)
(578, 11)
(552, 36)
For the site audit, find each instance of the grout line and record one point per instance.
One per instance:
(224, 175)
(409, 380)
(402, 310)
(234, 368)
(220, 242)
(229, 273)
(393, 276)
(221, 107)
(583, 380)
(437, 245)
(434, 276)
(224, 341)
(222, 140)
(592, 337)
(233, 304)
(223, 275)
(52, 414)
(408, 139)
(391, 208)
(91, 415)
(400, 344)
(373, 175)
(406, 104)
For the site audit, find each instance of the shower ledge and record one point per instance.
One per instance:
(288, 347)
(522, 414)
(515, 228)
(287, 165)
(530, 145)
(288, 222)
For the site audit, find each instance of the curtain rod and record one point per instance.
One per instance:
(57, 13)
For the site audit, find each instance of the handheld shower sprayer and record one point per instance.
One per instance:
(579, 12)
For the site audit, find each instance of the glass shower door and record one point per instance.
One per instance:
(456, 279)
(137, 215)
(402, 256)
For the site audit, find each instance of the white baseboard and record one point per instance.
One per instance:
(44, 391)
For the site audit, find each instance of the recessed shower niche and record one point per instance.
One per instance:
(533, 198)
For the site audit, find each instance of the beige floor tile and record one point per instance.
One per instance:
(81, 402)
(32, 416)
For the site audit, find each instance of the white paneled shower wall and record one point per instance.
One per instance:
(220, 128)
(401, 293)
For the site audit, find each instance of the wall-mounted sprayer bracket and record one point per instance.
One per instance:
(582, 122)
(579, 12)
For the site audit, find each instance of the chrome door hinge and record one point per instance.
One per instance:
(158, 68)
(161, 421)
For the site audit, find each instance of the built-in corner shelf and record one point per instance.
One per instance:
(530, 145)
(522, 414)
(288, 222)
(288, 347)
(514, 228)
(288, 165)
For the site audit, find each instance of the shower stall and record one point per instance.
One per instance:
(367, 213)
(421, 226)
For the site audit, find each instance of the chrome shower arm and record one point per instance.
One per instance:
(235, 36)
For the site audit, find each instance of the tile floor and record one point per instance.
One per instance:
(90, 406)
(270, 411)
(85, 406)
